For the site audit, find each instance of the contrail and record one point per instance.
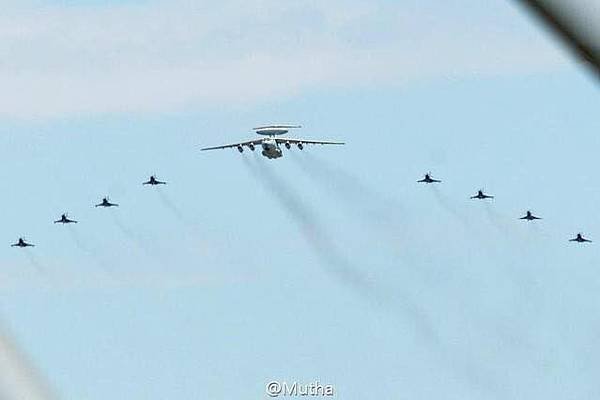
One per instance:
(341, 268)
(18, 379)
(501, 222)
(335, 263)
(376, 209)
(127, 232)
(514, 237)
(176, 211)
(447, 205)
(322, 171)
(35, 262)
(87, 250)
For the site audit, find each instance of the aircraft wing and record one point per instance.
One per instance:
(282, 140)
(255, 142)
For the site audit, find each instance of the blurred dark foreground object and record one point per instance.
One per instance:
(18, 379)
(576, 22)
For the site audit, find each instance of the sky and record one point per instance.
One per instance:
(330, 264)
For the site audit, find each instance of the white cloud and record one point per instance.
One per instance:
(165, 56)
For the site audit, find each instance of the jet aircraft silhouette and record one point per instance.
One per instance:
(106, 203)
(22, 243)
(64, 219)
(529, 216)
(580, 239)
(482, 196)
(428, 179)
(153, 181)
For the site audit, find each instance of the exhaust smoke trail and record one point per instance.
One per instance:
(351, 276)
(351, 186)
(129, 234)
(84, 248)
(375, 209)
(383, 208)
(447, 205)
(35, 262)
(505, 226)
(168, 203)
(175, 210)
(335, 263)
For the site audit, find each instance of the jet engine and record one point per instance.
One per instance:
(251, 146)
(287, 145)
(300, 146)
(240, 149)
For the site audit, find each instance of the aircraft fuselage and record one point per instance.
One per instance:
(271, 149)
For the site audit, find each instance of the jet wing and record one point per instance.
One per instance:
(282, 140)
(255, 142)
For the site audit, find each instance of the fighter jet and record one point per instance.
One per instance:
(271, 143)
(22, 243)
(106, 203)
(482, 196)
(529, 216)
(428, 179)
(153, 181)
(579, 238)
(64, 219)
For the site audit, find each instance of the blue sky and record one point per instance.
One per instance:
(214, 286)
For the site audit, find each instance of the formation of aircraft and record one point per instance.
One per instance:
(271, 148)
(106, 203)
(64, 219)
(572, 20)
(153, 181)
(272, 141)
(529, 216)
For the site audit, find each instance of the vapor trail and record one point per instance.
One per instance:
(335, 263)
(171, 206)
(323, 171)
(127, 232)
(376, 209)
(350, 275)
(447, 205)
(84, 248)
(503, 225)
(35, 262)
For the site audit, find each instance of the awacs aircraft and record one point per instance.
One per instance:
(482, 196)
(428, 179)
(153, 181)
(579, 238)
(106, 203)
(64, 219)
(529, 216)
(22, 243)
(271, 142)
